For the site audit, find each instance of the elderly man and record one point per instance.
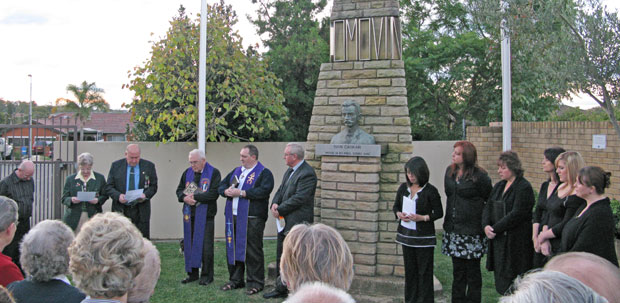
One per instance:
(294, 202)
(8, 225)
(129, 174)
(352, 133)
(197, 191)
(247, 189)
(19, 186)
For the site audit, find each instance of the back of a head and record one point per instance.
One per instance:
(8, 212)
(594, 271)
(551, 287)
(106, 256)
(319, 292)
(145, 282)
(44, 250)
(5, 295)
(316, 253)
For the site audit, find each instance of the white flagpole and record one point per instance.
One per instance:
(506, 84)
(202, 75)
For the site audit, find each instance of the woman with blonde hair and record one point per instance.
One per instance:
(106, 257)
(563, 204)
(316, 253)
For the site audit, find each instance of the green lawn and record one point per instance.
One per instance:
(169, 288)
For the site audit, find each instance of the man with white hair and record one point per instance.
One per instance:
(19, 186)
(197, 191)
(8, 221)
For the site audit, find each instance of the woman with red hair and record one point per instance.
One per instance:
(467, 187)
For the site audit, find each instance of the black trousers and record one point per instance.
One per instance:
(12, 250)
(133, 213)
(467, 283)
(254, 257)
(418, 274)
(280, 287)
(207, 251)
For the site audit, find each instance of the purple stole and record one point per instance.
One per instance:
(236, 238)
(193, 247)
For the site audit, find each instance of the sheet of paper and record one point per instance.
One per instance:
(280, 223)
(409, 207)
(132, 195)
(85, 196)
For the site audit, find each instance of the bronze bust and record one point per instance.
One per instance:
(352, 133)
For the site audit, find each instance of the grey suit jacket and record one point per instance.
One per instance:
(295, 197)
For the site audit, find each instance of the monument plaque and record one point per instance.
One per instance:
(348, 150)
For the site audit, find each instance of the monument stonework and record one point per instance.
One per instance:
(355, 194)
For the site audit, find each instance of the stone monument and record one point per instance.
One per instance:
(357, 184)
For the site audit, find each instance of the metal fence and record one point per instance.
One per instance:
(51, 145)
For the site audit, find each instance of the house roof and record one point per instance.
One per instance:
(107, 123)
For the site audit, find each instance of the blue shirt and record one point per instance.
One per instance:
(136, 176)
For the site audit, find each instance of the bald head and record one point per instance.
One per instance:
(132, 154)
(597, 273)
(25, 170)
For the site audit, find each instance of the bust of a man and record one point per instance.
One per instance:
(352, 133)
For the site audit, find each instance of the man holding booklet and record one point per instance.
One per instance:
(132, 183)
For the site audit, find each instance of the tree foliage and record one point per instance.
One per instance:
(88, 98)
(453, 70)
(298, 44)
(242, 98)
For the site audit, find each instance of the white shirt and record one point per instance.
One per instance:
(244, 174)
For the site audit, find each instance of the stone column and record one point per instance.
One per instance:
(355, 194)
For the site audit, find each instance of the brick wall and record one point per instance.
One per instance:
(530, 139)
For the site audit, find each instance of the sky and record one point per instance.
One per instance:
(65, 42)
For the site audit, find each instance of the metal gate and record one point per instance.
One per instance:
(53, 149)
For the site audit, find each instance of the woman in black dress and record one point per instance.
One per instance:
(592, 230)
(467, 188)
(506, 220)
(418, 241)
(563, 204)
(547, 189)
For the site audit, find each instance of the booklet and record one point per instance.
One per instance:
(133, 195)
(86, 196)
(409, 207)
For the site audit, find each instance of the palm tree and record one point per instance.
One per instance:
(89, 99)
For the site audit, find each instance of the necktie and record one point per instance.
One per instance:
(132, 178)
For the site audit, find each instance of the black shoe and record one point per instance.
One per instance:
(189, 279)
(274, 294)
(204, 281)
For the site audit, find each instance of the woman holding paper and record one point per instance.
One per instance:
(467, 188)
(417, 205)
(507, 224)
(80, 187)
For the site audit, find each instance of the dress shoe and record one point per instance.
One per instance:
(204, 281)
(274, 294)
(189, 279)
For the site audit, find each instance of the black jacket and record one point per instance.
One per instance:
(465, 202)
(428, 203)
(296, 200)
(510, 215)
(592, 232)
(208, 197)
(117, 185)
(258, 194)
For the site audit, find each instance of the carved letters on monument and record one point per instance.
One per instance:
(368, 38)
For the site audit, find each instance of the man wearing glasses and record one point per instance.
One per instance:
(19, 186)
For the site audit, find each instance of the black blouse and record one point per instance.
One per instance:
(428, 203)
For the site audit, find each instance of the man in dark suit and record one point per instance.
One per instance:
(247, 189)
(294, 201)
(133, 173)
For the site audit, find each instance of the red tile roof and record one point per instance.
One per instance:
(107, 123)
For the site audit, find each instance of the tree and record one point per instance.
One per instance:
(88, 98)
(453, 70)
(242, 98)
(575, 43)
(298, 44)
